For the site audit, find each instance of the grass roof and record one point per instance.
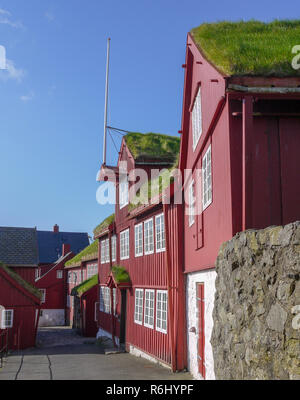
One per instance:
(152, 147)
(104, 224)
(250, 48)
(85, 286)
(26, 285)
(120, 274)
(89, 253)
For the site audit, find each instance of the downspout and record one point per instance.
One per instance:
(169, 283)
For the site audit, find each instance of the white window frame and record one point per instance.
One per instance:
(138, 240)
(207, 190)
(103, 252)
(197, 119)
(92, 270)
(192, 201)
(43, 299)
(160, 237)
(105, 301)
(147, 237)
(4, 313)
(115, 298)
(149, 308)
(159, 319)
(124, 244)
(123, 191)
(138, 306)
(107, 257)
(59, 274)
(114, 248)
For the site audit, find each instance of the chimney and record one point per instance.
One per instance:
(66, 248)
(56, 228)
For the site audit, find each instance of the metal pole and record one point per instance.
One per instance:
(106, 99)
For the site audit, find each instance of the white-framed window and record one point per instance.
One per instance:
(160, 233)
(105, 303)
(148, 236)
(107, 257)
(59, 274)
(115, 300)
(7, 319)
(124, 245)
(103, 251)
(123, 191)
(192, 201)
(149, 308)
(43, 299)
(138, 309)
(114, 248)
(197, 119)
(70, 277)
(162, 311)
(206, 179)
(138, 240)
(92, 269)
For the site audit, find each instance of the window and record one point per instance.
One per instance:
(161, 310)
(197, 119)
(160, 233)
(115, 298)
(149, 309)
(92, 269)
(138, 240)
(192, 201)
(206, 179)
(124, 245)
(113, 248)
(148, 232)
(7, 318)
(123, 191)
(107, 257)
(105, 305)
(70, 274)
(43, 299)
(103, 252)
(138, 310)
(59, 274)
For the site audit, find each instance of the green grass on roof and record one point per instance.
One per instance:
(88, 253)
(120, 274)
(152, 146)
(104, 224)
(85, 286)
(250, 48)
(26, 285)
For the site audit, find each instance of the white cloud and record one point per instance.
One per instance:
(6, 20)
(11, 72)
(28, 97)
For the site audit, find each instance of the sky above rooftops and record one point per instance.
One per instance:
(52, 95)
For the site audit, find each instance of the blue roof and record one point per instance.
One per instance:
(50, 244)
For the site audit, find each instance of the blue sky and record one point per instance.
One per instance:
(52, 95)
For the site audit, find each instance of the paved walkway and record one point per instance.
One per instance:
(63, 355)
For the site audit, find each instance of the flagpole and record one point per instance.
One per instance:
(106, 99)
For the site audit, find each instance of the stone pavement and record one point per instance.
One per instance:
(63, 355)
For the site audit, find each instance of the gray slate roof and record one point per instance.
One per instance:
(18, 246)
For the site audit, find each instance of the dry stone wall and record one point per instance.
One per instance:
(256, 333)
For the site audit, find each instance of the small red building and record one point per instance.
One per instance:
(144, 311)
(81, 292)
(19, 308)
(242, 132)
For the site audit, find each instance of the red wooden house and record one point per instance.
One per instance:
(82, 291)
(243, 134)
(140, 266)
(53, 285)
(19, 308)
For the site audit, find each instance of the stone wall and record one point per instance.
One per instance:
(256, 332)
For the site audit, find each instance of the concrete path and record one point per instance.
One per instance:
(77, 358)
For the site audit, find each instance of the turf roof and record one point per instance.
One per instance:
(89, 253)
(120, 274)
(104, 224)
(250, 48)
(152, 147)
(26, 285)
(85, 286)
